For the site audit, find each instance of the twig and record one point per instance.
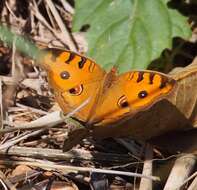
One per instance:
(146, 184)
(63, 168)
(142, 162)
(56, 154)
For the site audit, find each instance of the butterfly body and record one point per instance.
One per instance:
(119, 105)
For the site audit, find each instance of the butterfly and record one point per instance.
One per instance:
(118, 105)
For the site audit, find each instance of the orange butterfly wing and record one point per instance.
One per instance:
(74, 79)
(128, 94)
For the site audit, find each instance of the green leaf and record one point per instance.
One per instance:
(128, 34)
(23, 45)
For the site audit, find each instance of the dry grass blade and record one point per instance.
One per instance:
(193, 185)
(184, 166)
(66, 34)
(39, 16)
(1, 106)
(7, 80)
(47, 121)
(67, 7)
(24, 136)
(187, 180)
(3, 184)
(32, 109)
(6, 183)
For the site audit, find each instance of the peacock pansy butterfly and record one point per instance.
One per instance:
(113, 99)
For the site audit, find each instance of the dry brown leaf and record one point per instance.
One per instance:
(21, 169)
(184, 96)
(60, 185)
